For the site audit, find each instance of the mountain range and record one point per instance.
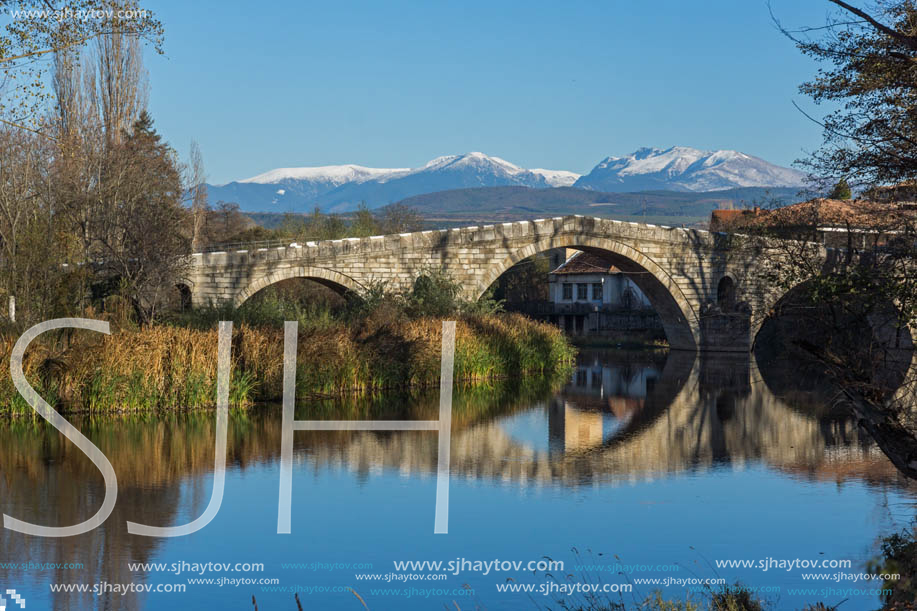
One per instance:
(341, 188)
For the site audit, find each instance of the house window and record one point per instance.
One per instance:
(568, 292)
(597, 291)
(582, 291)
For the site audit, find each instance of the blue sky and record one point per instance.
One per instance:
(556, 85)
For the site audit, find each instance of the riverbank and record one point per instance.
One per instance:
(169, 367)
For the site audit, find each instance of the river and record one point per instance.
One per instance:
(669, 465)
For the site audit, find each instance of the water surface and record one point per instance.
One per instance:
(669, 461)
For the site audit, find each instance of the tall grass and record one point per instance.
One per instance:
(172, 367)
(378, 342)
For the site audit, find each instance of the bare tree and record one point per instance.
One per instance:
(225, 223)
(69, 92)
(398, 218)
(37, 29)
(197, 190)
(123, 88)
(19, 159)
(32, 247)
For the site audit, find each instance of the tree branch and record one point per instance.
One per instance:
(29, 129)
(908, 41)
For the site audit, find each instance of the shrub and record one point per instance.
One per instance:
(434, 294)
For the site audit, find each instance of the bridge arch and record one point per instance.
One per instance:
(679, 319)
(328, 277)
(184, 291)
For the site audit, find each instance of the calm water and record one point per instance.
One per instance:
(672, 462)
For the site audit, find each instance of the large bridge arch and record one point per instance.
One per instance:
(679, 318)
(328, 277)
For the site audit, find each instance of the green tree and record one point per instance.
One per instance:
(143, 247)
(434, 293)
(364, 223)
(525, 282)
(841, 190)
(332, 227)
(293, 226)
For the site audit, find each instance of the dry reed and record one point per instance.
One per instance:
(168, 367)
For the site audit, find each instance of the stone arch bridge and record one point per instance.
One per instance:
(680, 270)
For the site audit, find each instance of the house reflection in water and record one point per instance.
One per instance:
(600, 400)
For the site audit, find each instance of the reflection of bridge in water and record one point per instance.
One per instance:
(635, 422)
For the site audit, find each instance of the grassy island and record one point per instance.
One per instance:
(378, 342)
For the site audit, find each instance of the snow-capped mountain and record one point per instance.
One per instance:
(298, 189)
(333, 175)
(344, 187)
(440, 174)
(682, 168)
(557, 178)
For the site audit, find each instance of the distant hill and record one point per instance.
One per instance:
(499, 204)
(514, 203)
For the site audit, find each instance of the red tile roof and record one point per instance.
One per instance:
(820, 212)
(729, 215)
(721, 220)
(832, 212)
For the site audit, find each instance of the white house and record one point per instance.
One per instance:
(587, 280)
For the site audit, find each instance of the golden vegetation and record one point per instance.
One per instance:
(168, 367)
